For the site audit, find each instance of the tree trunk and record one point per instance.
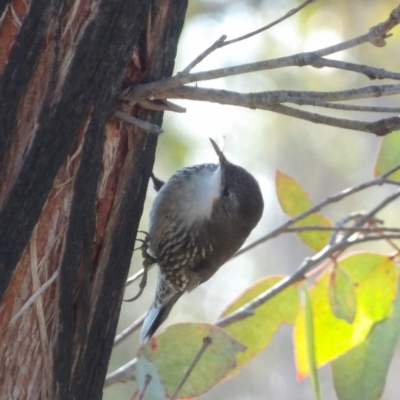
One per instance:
(72, 182)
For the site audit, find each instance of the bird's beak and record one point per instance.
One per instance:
(223, 162)
(220, 154)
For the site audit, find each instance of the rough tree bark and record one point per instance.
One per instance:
(72, 182)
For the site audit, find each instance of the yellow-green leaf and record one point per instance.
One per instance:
(375, 280)
(294, 201)
(375, 284)
(342, 295)
(256, 331)
(361, 373)
(173, 351)
(388, 155)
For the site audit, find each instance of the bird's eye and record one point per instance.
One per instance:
(226, 192)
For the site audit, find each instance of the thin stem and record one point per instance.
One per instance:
(329, 200)
(129, 330)
(206, 342)
(222, 42)
(376, 35)
(146, 385)
(270, 101)
(308, 263)
(376, 229)
(270, 25)
(216, 45)
(122, 374)
(146, 126)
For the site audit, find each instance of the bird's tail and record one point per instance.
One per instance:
(158, 313)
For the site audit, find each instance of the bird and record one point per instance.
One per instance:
(200, 217)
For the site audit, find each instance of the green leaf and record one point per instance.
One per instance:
(294, 201)
(361, 373)
(308, 314)
(375, 282)
(256, 331)
(388, 155)
(342, 295)
(146, 370)
(173, 351)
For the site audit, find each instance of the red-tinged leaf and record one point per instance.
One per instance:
(375, 283)
(294, 201)
(388, 155)
(257, 330)
(342, 295)
(361, 373)
(173, 351)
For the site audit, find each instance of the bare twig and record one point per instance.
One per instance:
(146, 384)
(380, 180)
(264, 101)
(216, 45)
(134, 277)
(248, 309)
(340, 224)
(222, 42)
(123, 374)
(206, 342)
(377, 34)
(352, 107)
(146, 126)
(129, 330)
(270, 25)
(374, 229)
(308, 263)
(370, 72)
(380, 127)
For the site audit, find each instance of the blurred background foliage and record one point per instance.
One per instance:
(324, 160)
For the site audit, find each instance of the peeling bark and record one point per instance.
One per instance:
(72, 182)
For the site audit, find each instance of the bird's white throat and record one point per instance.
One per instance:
(201, 192)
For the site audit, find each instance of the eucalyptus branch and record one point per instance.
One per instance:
(328, 251)
(122, 374)
(269, 101)
(206, 342)
(248, 309)
(222, 42)
(129, 330)
(376, 36)
(312, 228)
(380, 180)
(273, 97)
(370, 72)
(352, 107)
(380, 127)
